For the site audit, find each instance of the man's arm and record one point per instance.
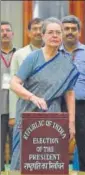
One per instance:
(70, 102)
(12, 96)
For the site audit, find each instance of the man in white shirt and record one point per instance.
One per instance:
(34, 33)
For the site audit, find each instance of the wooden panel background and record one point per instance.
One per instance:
(27, 16)
(78, 8)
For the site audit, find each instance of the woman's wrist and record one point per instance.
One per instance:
(71, 121)
(30, 97)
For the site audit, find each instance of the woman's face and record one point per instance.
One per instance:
(53, 35)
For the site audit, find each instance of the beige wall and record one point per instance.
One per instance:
(12, 11)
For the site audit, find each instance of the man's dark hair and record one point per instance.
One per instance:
(34, 21)
(71, 19)
(6, 23)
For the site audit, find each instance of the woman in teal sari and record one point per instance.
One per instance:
(45, 75)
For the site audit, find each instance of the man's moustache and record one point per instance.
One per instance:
(38, 35)
(5, 37)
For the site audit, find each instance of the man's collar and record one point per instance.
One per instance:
(12, 50)
(79, 46)
(32, 47)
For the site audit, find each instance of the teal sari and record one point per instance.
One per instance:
(49, 80)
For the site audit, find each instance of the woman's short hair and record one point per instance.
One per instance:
(48, 21)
